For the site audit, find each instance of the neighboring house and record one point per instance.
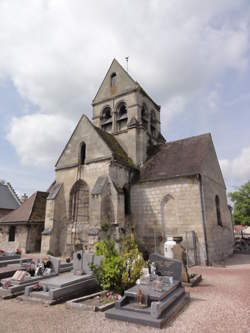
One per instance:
(8, 198)
(118, 171)
(22, 228)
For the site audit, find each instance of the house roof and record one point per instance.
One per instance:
(8, 197)
(31, 210)
(177, 158)
(118, 152)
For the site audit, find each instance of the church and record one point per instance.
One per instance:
(118, 172)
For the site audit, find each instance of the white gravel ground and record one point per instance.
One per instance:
(220, 304)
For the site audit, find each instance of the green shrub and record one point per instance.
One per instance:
(118, 272)
(105, 227)
(109, 274)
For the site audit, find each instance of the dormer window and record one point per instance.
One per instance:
(82, 153)
(113, 79)
(106, 119)
(122, 116)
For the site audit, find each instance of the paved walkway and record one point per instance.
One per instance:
(220, 304)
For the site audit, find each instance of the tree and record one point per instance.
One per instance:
(241, 200)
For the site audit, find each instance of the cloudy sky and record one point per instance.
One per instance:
(192, 57)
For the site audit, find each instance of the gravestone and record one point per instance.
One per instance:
(78, 263)
(166, 266)
(56, 262)
(81, 262)
(68, 285)
(155, 301)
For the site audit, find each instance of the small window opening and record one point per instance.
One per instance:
(126, 201)
(153, 124)
(122, 111)
(106, 119)
(12, 233)
(122, 117)
(113, 79)
(83, 153)
(217, 204)
(106, 115)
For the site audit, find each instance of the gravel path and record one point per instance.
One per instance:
(220, 304)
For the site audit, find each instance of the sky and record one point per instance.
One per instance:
(192, 57)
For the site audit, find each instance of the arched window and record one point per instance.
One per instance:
(113, 79)
(79, 202)
(122, 111)
(12, 233)
(218, 214)
(153, 123)
(106, 119)
(122, 116)
(82, 153)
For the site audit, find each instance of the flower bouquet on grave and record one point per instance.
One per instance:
(109, 297)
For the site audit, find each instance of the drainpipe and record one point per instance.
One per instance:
(203, 218)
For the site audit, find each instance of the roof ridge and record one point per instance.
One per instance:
(188, 138)
(13, 192)
(12, 215)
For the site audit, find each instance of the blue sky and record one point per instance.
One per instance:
(192, 57)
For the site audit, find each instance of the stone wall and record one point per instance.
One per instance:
(35, 238)
(172, 207)
(20, 238)
(220, 238)
(58, 218)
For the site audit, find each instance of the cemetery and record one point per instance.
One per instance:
(125, 284)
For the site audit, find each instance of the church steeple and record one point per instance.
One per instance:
(122, 108)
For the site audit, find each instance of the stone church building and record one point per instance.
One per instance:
(119, 171)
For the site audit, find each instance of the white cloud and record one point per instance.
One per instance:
(57, 52)
(39, 138)
(238, 169)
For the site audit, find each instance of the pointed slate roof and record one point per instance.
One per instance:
(184, 157)
(8, 197)
(31, 210)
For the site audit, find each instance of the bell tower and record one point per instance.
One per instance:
(122, 108)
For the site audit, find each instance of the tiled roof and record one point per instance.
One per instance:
(31, 210)
(177, 158)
